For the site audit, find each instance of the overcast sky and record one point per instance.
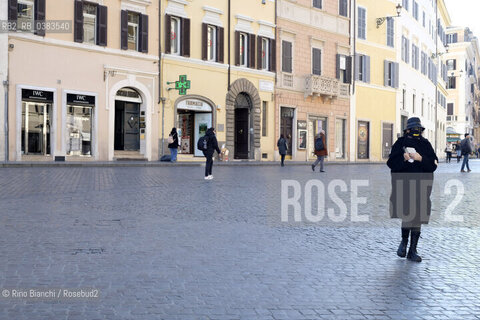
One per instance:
(465, 13)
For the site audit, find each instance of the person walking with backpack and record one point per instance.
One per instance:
(466, 147)
(173, 144)
(320, 150)
(412, 162)
(282, 148)
(209, 144)
(458, 150)
(448, 151)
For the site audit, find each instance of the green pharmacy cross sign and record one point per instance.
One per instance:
(182, 85)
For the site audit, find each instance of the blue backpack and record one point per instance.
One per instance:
(319, 144)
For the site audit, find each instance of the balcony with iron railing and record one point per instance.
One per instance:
(325, 87)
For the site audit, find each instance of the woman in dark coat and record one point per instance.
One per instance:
(412, 180)
(282, 148)
(322, 153)
(174, 145)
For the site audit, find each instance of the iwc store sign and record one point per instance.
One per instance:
(37, 95)
(80, 99)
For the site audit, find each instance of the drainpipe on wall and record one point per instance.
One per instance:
(229, 44)
(435, 80)
(5, 85)
(161, 99)
(353, 101)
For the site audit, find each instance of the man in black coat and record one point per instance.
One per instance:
(466, 147)
(212, 146)
(412, 162)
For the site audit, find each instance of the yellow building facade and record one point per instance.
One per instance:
(374, 100)
(217, 70)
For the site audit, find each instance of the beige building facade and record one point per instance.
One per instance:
(314, 72)
(88, 91)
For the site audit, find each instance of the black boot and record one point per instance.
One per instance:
(412, 252)
(402, 248)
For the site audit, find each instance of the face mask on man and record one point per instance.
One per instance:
(416, 132)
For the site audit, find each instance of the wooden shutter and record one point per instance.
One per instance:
(396, 73)
(367, 69)
(185, 40)
(237, 48)
(251, 50)
(39, 16)
(168, 33)
(78, 21)
(12, 10)
(259, 53)
(273, 55)
(385, 72)
(143, 36)
(357, 67)
(124, 29)
(220, 44)
(102, 15)
(286, 56)
(204, 41)
(348, 70)
(337, 69)
(316, 61)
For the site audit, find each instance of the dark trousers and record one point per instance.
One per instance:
(449, 156)
(209, 165)
(283, 159)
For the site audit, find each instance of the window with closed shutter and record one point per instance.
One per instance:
(362, 23)
(316, 61)
(286, 56)
(390, 32)
(343, 7)
(450, 109)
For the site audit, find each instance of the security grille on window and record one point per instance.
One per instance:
(177, 36)
(212, 43)
(134, 31)
(27, 13)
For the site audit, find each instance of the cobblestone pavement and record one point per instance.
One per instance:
(162, 243)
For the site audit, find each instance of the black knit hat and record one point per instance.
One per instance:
(414, 122)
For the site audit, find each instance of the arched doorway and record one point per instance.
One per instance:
(243, 125)
(128, 122)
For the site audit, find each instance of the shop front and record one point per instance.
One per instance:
(194, 115)
(36, 118)
(79, 125)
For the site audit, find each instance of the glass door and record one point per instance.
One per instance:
(36, 128)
